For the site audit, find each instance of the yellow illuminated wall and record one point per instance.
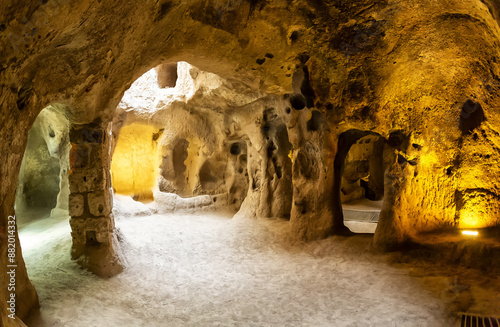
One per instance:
(479, 211)
(135, 162)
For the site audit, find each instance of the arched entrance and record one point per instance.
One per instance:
(359, 168)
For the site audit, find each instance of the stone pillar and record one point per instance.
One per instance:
(312, 208)
(312, 171)
(392, 228)
(91, 199)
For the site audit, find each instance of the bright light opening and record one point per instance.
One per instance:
(470, 232)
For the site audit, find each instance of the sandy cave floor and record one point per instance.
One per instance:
(209, 270)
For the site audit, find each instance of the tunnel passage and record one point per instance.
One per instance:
(43, 179)
(359, 168)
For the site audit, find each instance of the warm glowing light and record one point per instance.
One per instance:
(473, 217)
(135, 160)
(470, 232)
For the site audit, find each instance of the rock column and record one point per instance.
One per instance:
(90, 200)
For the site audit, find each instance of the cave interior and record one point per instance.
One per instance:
(253, 163)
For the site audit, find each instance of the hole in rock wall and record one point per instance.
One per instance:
(43, 179)
(167, 75)
(297, 101)
(208, 180)
(314, 124)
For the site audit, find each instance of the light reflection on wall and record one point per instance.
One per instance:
(135, 162)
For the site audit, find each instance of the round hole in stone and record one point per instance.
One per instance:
(100, 208)
(235, 149)
(294, 36)
(298, 101)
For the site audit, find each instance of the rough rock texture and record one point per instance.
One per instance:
(91, 199)
(428, 69)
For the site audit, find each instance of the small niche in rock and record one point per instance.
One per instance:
(471, 116)
(303, 57)
(270, 149)
(207, 179)
(91, 238)
(279, 172)
(307, 90)
(294, 36)
(298, 101)
(401, 159)
(315, 122)
(398, 140)
(167, 75)
(303, 206)
(235, 149)
(179, 155)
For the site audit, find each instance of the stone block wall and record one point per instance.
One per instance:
(91, 198)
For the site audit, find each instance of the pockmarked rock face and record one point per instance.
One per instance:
(424, 76)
